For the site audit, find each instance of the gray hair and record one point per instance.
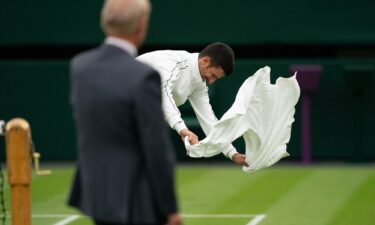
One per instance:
(121, 17)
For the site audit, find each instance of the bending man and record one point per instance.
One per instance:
(184, 76)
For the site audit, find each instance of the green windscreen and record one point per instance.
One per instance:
(196, 22)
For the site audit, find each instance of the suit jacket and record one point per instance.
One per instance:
(125, 171)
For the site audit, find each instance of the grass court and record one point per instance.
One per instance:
(224, 195)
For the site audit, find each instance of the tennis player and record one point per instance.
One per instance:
(184, 77)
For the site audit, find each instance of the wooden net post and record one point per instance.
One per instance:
(17, 135)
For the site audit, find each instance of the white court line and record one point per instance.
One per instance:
(53, 215)
(67, 220)
(219, 215)
(257, 219)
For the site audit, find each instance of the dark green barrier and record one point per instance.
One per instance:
(39, 92)
(196, 22)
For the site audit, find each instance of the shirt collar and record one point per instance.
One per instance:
(123, 44)
(195, 67)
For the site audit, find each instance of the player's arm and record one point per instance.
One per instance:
(168, 73)
(171, 113)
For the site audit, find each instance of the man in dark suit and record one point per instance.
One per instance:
(125, 171)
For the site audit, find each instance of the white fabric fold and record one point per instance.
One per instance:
(263, 114)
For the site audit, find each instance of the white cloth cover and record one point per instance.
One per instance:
(263, 114)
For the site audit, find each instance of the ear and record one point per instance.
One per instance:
(141, 30)
(206, 60)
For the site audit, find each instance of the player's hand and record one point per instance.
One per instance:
(239, 159)
(192, 138)
(174, 219)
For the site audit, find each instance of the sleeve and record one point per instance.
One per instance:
(200, 102)
(169, 72)
(156, 145)
(171, 112)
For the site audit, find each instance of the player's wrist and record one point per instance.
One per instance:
(180, 126)
(232, 153)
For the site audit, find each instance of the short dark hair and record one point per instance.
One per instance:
(221, 55)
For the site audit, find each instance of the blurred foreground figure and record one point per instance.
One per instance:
(125, 171)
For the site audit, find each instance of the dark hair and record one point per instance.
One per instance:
(221, 55)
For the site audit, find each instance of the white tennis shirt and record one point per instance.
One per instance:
(181, 81)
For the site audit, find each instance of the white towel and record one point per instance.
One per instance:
(263, 114)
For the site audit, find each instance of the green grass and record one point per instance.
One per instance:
(287, 195)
